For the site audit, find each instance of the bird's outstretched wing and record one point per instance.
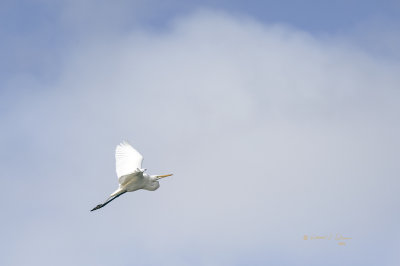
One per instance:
(127, 160)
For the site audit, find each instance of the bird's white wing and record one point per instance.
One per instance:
(127, 159)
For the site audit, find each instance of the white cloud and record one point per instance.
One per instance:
(272, 133)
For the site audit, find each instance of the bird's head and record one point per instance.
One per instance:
(155, 178)
(154, 184)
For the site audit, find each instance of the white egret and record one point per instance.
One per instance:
(131, 176)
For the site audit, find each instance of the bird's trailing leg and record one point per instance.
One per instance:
(108, 201)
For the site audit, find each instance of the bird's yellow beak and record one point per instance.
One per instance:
(162, 176)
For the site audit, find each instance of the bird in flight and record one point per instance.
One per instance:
(131, 176)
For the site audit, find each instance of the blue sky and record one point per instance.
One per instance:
(41, 32)
(279, 119)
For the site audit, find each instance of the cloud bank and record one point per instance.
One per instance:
(272, 134)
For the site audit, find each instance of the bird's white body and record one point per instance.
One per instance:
(131, 176)
(136, 181)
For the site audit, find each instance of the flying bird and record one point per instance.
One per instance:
(131, 176)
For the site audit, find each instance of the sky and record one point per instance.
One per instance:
(279, 120)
